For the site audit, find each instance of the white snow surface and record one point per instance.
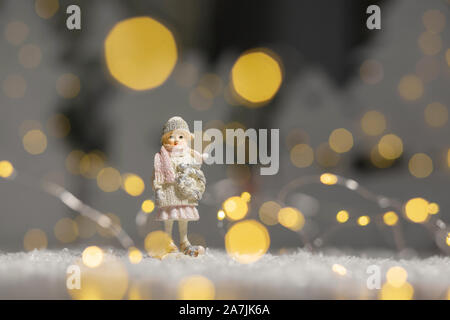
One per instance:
(296, 275)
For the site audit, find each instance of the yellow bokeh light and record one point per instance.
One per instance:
(363, 221)
(66, 230)
(28, 125)
(373, 123)
(246, 196)
(157, 244)
(109, 179)
(16, 32)
(420, 165)
(389, 292)
(302, 155)
(341, 140)
(134, 255)
(410, 87)
(247, 241)
(86, 227)
(92, 256)
(134, 293)
(133, 184)
(58, 126)
(235, 208)
(339, 269)
(379, 161)
(396, 276)
(73, 161)
(212, 82)
(268, 212)
(6, 169)
(436, 114)
(35, 142)
(35, 239)
(196, 287)
(371, 71)
(390, 218)
(342, 216)
(148, 206)
(434, 21)
(448, 158)
(91, 164)
(256, 76)
(46, 8)
(430, 44)
(68, 86)
(140, 53)
(30, 56)
(325, 156)
(433, 208)
(447, 240)
(416, 210)
(221, 215)
(108, 281)
(390, 147)
(328, 179)
(201, 98)
(291, 218)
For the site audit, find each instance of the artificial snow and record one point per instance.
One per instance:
(296, 275)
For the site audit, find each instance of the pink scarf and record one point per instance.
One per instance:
(164, 172)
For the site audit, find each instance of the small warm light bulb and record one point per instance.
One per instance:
(328, 179)
(433, 208)
(339, 269)
(342, 216)
(221, 215)
(92, 256)
(6, 169)
(363, 221)
(390, 218)
(134, 255)
(246, 196)
(148, 206)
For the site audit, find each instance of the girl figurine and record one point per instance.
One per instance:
(178, 183)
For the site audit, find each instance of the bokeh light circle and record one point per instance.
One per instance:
(247, 241)
(235, 208)
(291, 218)
(196, 287)
(256, 76)
(140, 53)
(416, 210)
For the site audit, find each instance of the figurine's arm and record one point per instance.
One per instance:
(157, 180)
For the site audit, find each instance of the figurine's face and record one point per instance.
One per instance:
(177, 138)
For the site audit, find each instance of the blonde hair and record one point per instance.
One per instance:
(166, 136)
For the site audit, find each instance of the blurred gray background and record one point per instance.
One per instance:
(322, 45)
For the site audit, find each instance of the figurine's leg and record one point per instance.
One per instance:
(168, 226)
(182, 228)
(185, 245)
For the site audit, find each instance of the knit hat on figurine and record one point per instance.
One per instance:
(175, 123)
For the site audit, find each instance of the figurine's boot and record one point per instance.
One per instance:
(172, 247)
(190, 250)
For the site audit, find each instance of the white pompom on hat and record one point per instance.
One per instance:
(175, 123)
